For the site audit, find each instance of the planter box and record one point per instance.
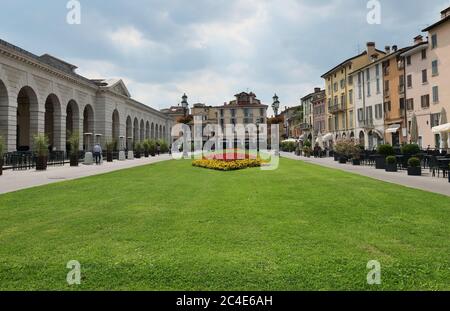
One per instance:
(356, 162)
(336, 158)
(109, 157)
(146, 154)
(342, 160)
(41, 163)
(414, 171)
(380, 163)
(137, 155)
(391, 167)
(74, 161)
(1, 168)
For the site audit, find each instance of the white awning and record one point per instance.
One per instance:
(393, 128)
(328, 137)
(302, 137)
(441, 128)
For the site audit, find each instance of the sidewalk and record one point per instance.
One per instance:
(18, 180)
(425, 182)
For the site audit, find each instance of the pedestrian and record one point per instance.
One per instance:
(158, 149)
(97, 153)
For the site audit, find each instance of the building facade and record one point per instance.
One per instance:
(43, 94)
(293, 116)
(340, 93)
(319, 114)
(307, 125)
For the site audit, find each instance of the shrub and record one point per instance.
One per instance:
(41, 145)
(2, 148)
(137, 147)
(410, 149)
(110, 146)
(152, 147)
(348, 148)
(385, 150)
(307, 144)
(414, 162)
(287, 146)
(391, 160)
(307, 151)
(146, 145)
(74, 143)
(164, 146)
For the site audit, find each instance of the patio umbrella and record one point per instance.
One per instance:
(444, 135)
(320, 140)
(414, 129)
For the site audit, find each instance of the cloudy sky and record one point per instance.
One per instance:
(211, 49)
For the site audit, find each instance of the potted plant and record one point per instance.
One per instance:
(164, 147)
(448, 173)
(146, 147)
(152, 148)
(355, 153)
(74, 143)
(391, 164)
(410, 149)
(2, 148)
(137, 150)
(109, 151)
(383, 152)
(307, 151)
(414, 168)
(41, 149)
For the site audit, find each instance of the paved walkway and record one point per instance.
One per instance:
(18, 180)
(425, 182)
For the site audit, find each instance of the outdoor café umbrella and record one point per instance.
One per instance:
(320, 140)
(444, 135)
(414, 129)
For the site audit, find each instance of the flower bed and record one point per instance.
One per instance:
(229, 165)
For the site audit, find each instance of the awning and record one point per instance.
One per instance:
(328, 137)
(302, 137)
(393, 128)
(444, 128)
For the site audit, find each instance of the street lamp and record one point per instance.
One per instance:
(185, 104)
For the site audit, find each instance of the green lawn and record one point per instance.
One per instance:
(170, 226)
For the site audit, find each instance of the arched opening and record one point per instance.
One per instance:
(88, 127)
(142, 131)
(157, 132)
(370, 137)
(129, 132)
(115, 126)
(72, 121)
(352, 135)
(164, 134)
(147, 130)
(136, 130)
(3, 106)
(27, 104)
(52, 127)
(361, 138)
(152, 134)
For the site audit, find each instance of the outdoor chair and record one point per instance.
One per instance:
(434, 166)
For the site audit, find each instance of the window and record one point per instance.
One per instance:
(408, 60)
(377, 69)
(221, 113)
(335, 86)
(434, 119)
(350, 113)
(386, 85)
(359, 91)
(369, 115)
(350, 80)
(387, 106)
(350, 97)
(425, 101)
(261, 112)
(368, 74)
(424, 54)
(434, 41)
(424, 76)
(360, 114)
(434, 66)
(336, 100)
(233, 113)
(342, 83)
(368, 88)
(435, 94)
(359, 77)
(409, 81)
(344, 123)
(343, 101)
(410, 104)
(402, 104)
(378, 86)
(378, 111)
(246, 112)
(336, 122)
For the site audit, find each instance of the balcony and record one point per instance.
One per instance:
(336, 108)
(401, 89)
(367, 124)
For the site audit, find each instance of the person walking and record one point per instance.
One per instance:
(97, 153)
(158, 149)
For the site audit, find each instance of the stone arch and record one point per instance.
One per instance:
(362, 138)
(52, 122)
(129, 132)
(156, 131)
(135, 130)
(160, 132)
(147, 130)
(164, 133)
(4, 120)
(152, 131)
(142, 131)
(27, 118)
(115, 127)
(88, 126)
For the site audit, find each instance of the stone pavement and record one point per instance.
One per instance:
(425, 182)
(17, 180)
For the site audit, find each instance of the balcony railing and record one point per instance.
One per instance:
(336, 108)
(401, 89)
(368, 124)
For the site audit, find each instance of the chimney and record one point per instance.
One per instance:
(418, 39)
(387, 49)
(394, 48)
(370, 49)
(316, 89)
(445, 13)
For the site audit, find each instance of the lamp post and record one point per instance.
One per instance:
(185, 104)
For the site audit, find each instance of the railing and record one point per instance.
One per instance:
(336, 108)
(26, 160)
